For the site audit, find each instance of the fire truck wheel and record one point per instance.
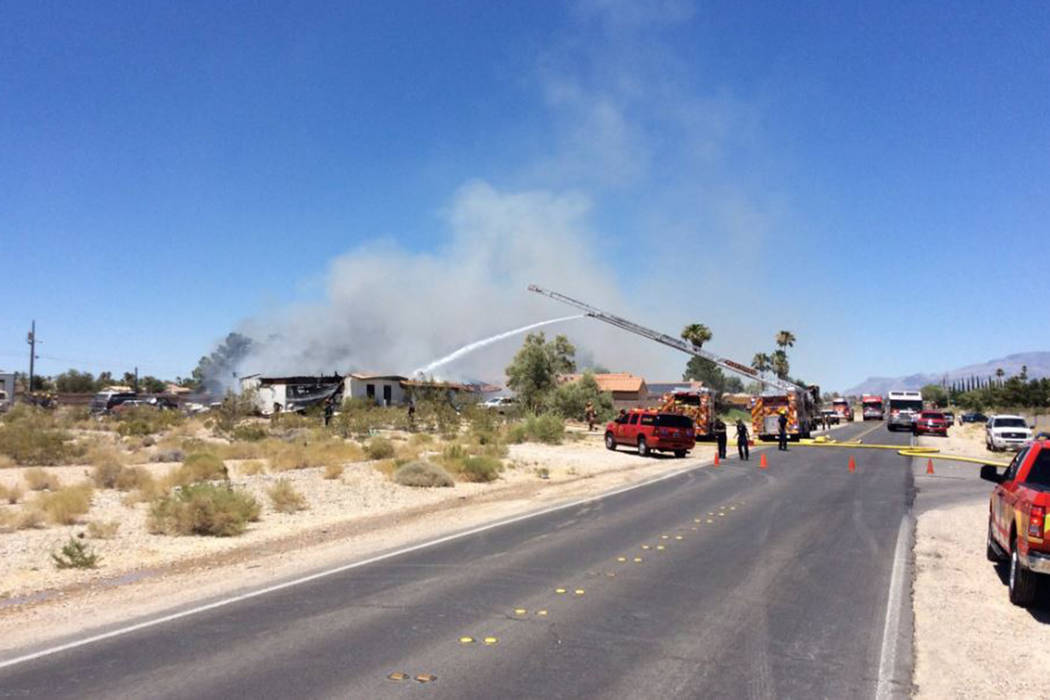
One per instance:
(643, 447)
(610, 441)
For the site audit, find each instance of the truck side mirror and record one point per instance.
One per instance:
(989, 472)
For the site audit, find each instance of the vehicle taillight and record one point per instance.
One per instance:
(1035, 521)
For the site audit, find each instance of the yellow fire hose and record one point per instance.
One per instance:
(911, 451)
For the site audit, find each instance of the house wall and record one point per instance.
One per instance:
(7, 387)
(358, 389)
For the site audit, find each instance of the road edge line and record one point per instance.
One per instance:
(121, 631)
(888, 656)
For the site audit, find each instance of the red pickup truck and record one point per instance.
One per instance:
(651, 430)
(1018, 526)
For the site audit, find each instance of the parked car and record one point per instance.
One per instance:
(498, 403)
(651, 430)
(128, 405)
(831, 416)
(1017, 519)
(931, 422)
(949, 417)
(1003, 432)
(973, 418)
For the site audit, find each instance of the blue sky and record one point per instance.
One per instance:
(372, 184)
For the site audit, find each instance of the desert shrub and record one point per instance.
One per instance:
(40, 479)
(31, 439)
(31, 518)
(6, 462)
(73, 416)
(10, 494)
(75, 555)
(203, 509)
(421, 439)
(422, 474)
(67, 504)
(361, 418)
(333, 471)
(131, 478)
(547, 428)
(169, 455)
(454, 451)
(108, 466)
(480, 468)
(249, 433)
(284, 498)
(103, 529)
(146, 420)
(197, 467)
(251, 468)
(517, 434)
(379, 448)
(297, 455)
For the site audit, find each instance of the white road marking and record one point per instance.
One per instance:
(329, 572)
(891, 630)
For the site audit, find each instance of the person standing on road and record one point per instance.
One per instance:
(782, 436)
(719, 429)
(741, 440)
(590, 414)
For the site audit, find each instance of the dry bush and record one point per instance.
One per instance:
(421, 439)
(30, 436)
(386, 467)
(108, 465)
(284, 498)
(203, 509)
(67, 504)
(251, 468)
(103, 529)
(333, 471)
(147, 490)
(197, 467)
(379, 448)
(6, 462)
(146, 420)
(286, 455)
(422, 474)
(11, 494)
(31, 518)
(7, 521)
(40, 479)
(480, 468)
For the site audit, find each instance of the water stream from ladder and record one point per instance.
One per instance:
(478, 344)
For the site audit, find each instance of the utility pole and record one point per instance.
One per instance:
(136, 380)
(31, 339)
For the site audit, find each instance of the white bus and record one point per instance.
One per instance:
(904, 407)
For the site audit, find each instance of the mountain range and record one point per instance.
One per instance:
(1038, 364)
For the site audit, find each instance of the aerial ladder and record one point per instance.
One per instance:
(800, 402)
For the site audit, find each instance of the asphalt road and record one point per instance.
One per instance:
(748, 582)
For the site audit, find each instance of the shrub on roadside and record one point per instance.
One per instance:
(67, 504)
(249, 433)
(284, 498)
(146, 420)
(32, 440)
(379, 448)
(422, 474)
(480, 468)
(517, 434)
(203, 509)
(75, 555)
(251, 468)
(333, 471)
(199, 466)
(40, 480)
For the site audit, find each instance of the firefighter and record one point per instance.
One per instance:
(782, 436)
(742, 440)
(411, 415)
(719, 429)
(329, 409)
(590, 415)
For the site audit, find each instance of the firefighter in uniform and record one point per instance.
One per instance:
(719, 429)
(590, 415)
(782, 436)
(741, 440)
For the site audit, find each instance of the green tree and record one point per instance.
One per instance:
(779, 363)
(762, 362)
(533, 373)
(697, 334)
(570, 400)
(152, 385)
(935, 394)
(785, 340)
(74, 382)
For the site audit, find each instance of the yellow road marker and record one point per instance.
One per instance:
(696, 520)
(721, 515)
(645, 546)
(559, 591)
(579, 591)
(491, 641)
(520, 611)
(398, 676)
(679, 537)
(466, 640)
(732, 507)
(709, 521)
(426, 677)
(661, 547)
(665, 537)
(621, 559)
(637, 560)
(541, 613)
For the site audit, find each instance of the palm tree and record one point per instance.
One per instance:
(697, 334)
(779, 364)
(761, 361)
(785, 340)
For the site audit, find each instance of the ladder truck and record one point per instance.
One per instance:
(801, 404)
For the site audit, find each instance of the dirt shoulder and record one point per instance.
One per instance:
(352, 518)
(970, 641)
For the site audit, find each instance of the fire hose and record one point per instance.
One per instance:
(910, 451)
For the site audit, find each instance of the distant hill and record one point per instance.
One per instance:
(1038, 364)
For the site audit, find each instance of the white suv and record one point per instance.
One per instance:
(1003, 432)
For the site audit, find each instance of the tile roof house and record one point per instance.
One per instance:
(628, 390)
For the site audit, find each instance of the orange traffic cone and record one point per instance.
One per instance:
(762, 464)
(929, 466)
(716, 459)
(852, 464)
